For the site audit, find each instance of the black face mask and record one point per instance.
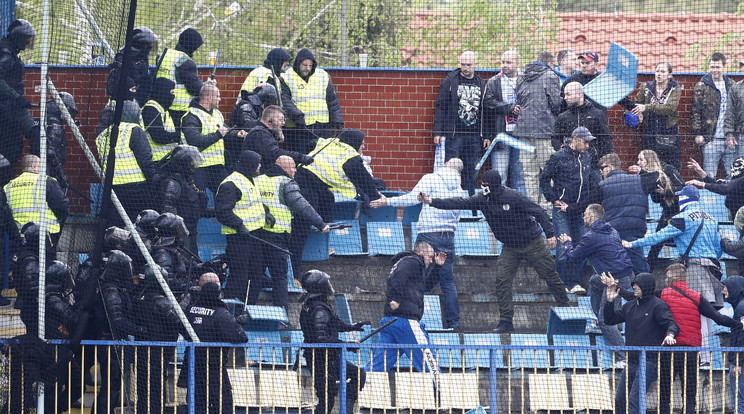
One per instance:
(167, 100)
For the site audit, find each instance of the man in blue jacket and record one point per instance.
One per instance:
(602, 246)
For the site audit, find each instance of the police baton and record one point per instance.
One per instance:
(285, 251)
(339, 226)
(376, 331)
(332, 139)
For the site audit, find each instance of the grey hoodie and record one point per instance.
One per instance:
(444, 183)
(539, 97)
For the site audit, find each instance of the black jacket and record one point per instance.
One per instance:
(138, 72)
(733, 190)
(648, 318)
(407, 283)
(187, 73)
(57, 201)
(568, 176)
(447, 105)
(166, 326)
(335, 117)
(262, 140)
(515, 220)
(669, 202)
(155, 128)
(119, 311)
(583, 80)
(182, 197)
(586, 115)
(294, 200)
(212, 322)
(495, 109)
(191, 127)
(11, 74)
(319, 323)
(140, 146)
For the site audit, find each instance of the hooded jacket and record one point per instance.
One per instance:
(706, 104)
(733, 190)
(11, 73)
(294, 200)
(228, 193)
(443, 183)
(568, 176)
(514, 219)
(733, 123)
(539, 96)
(588, 116)
(188, 42)
(151, 116)
(648, 319)
(662, 118)
(408, 281)
(446, 119)
(263, 140)
(334, 107)
(735, 287)
(601, 244)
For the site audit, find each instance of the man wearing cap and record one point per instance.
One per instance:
(703, 269)
(518, 223)
(178, 65)
(568, 181)
(582, 112)
(588, 71)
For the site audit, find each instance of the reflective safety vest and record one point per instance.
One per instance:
(257, 76)
(161, 150)
(25, 200)
(310, 96)
(272, 196)
(249, 207)
(215, 153)
(328, 165)
(126, 168)
(171, 62)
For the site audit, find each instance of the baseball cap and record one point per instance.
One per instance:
(589, 55)
(689, 192)
(583, 133)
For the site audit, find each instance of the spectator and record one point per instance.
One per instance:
(569, 183)
(649, 322)
(518, 223)
(459, 115)
(703, 269)
(581, 112)
(625, 202)
(538, 96)
(687, 307)
(310, 102)
(733, 189)
(567, 61)
(733, 122)
(661, 181)
(500, 111)
(736, 247)
(437, 227)
(265, 137)
(602, 246)
(709, 101)
(588, 71)
(733, 290)
(656, 106)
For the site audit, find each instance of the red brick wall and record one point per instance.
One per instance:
(394, 107)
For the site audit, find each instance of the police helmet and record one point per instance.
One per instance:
(315, 281)
(146, 221)
(118, 265)
(115, 237)
(30, 232)
(187, 157)
(266, 92)
(22, 33)
(143, 38)
(68, 100)
(57, 273)
(171, 225)
(151, 275)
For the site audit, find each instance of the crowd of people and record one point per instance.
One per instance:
(273, 168)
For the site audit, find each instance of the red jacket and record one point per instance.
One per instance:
(685, 313)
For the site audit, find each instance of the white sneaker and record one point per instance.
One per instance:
(577, 290)
(620, 364)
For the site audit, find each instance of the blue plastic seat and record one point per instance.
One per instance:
(570, 358)
(569, 320)
(618, 81)
(529, 357)
(385, 238)
(82, 257)
(605, 355)
(346, 241)
(482, 357)
(265, 354)
(267, 318)
(584, 302)
(411, 214)
(432, 317)
(345, 208)
(716, 357)
(96, 194)
(473, 239)
(342, 307)
(316, 247)
(447, 358)
(713, 204)
(654, 210)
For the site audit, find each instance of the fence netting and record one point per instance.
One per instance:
(219, 206)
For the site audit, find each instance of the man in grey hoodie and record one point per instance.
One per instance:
(437, 227)
(539, 99)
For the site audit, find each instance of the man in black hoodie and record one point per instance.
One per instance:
(177, 65)
(239, 209)
(581, 112)
(311, 103)
(649, 322)
(518, 223)
(281, 195)
(409, 279)
(337, 166)
(458, 117)
(265, 137)
(159, 126)
(274, 65)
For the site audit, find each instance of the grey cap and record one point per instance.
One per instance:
(583, 133)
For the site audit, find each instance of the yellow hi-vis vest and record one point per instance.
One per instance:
(26, 202)
(249, 207)
(329, 162)
(171, 62)
(310, 96)
(272, 196)
(161, 150)
(126, 168)
(215, 153)
(257, 76)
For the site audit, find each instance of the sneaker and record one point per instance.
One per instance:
(577, 290)
(620, 364)
(504, 327)
(705, 365)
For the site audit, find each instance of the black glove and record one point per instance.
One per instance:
(307, 160)
(359, 326)
(243, 230)
(22, 102)
(243, 319)
(270, 220)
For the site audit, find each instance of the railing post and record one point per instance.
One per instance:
(192, 381)
(641, 375)
(342, 381)
(493, 389)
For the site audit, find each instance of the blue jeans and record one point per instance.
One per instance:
(403, 331)
(640, 265)
(635, 386)
(506, 162)
(445, 242)
(716, 151)
(598, 299)
(573, 225)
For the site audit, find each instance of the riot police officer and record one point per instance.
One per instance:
(166, 253)
(56, 139)
(144, 41)
(320, 324)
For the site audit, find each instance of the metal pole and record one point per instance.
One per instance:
(344, 12)
(96, 29)
(492, 376)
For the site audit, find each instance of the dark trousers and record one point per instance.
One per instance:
(321, 198)
(244, 259)
(109, 396)
(326, 374)
(537, 254)
(469, 148)
(210, 177)
(213, 390)
(669, 155)
(152, 364)
(276, 262)
(685, 366)
(134, 198)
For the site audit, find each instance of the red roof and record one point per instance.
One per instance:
(653, 37)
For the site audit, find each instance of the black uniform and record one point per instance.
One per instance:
(139, 73)
(56, 136)
(212, 322)
(320, 324)
(264, 141)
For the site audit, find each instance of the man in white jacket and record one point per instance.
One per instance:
(437, 227)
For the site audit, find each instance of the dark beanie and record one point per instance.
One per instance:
(248, 163)
(190, 39)
(492, 178)
(352, 137)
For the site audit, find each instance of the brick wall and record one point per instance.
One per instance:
(394, 107)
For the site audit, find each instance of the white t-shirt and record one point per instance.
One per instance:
(722, 109)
